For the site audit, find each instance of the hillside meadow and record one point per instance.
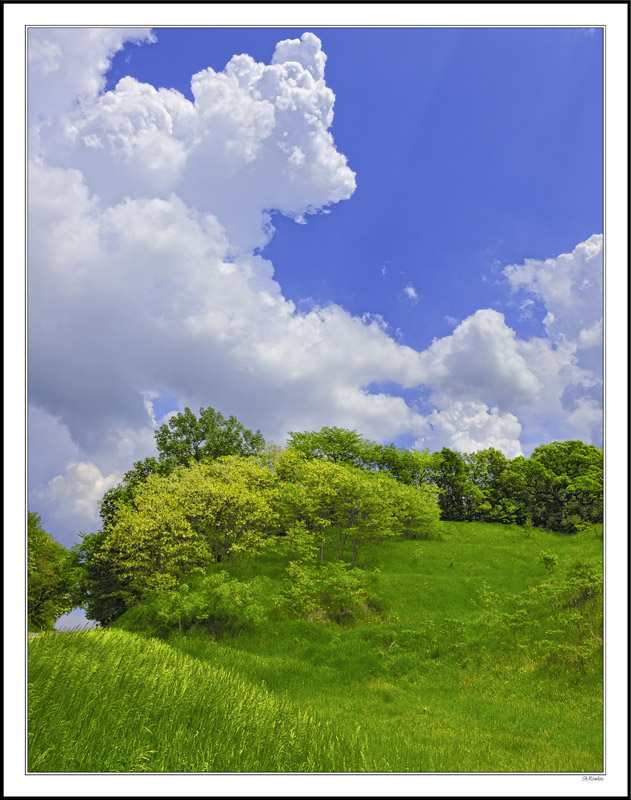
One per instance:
(479, 651)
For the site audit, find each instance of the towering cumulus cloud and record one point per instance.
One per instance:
(146, 213)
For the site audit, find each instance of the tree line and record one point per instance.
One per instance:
(217, 493)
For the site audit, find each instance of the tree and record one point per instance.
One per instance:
(184, 440)
(125, 492)
(415, 467)
(99, 589)
(345, 506)
(187, 438)
(559, 486)
(450, 477)
(182, 523)
(348, 447)
(334, 444)
(485, 496)
(50, 578)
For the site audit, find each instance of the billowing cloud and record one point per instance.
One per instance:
(570, 286)
(255, 139)
(68, 65)
(469, 426)
(481, 360)
(569, 361)
(77, 491)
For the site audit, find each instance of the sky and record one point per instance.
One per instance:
(397, 231)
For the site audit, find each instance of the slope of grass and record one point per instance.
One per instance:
(111, 701)
(455, 678)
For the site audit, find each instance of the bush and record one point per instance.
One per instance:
(331, 592)
(549, 560)
(215, 603)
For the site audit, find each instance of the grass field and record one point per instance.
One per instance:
(484, 659)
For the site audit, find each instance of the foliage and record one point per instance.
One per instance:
(124, 493)
(330, 592)
(450, 476)
(549, 560)
(412, 467)
(560, 621)
(560, 487)
(183, 440)
(348, 447)
(99, 589)
(187, 438)
(50, 577)
(214, 603)
(184, 522)
(347, 506)
(333, 444)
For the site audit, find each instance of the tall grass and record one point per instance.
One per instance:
(112, 701)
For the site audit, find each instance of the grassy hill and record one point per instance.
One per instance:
(484, 654)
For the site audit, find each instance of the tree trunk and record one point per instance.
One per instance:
(355, 544)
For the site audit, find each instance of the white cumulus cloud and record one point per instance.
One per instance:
(76, 493)
(468, 426)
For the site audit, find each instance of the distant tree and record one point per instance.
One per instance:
(334, 444)
(560, 486)
(50, 577)
(451, 476)
(187, 438)
(99, 588)
(349, 447)
(485, 495)
(414, 467)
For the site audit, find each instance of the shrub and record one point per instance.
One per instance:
(331, 592)
(216, 603)
(549, 560)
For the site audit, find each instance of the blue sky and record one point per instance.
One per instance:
(473, 149)
(392, 230)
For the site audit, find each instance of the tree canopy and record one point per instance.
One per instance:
(183, 440)
(216, 493)
(186, 438)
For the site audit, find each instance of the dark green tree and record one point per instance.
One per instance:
(451, 476)
(99, 589)
(559, 487)
(50, 577)
(187, 438)
(485, 495)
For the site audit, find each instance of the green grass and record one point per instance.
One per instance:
(441, 684)
(111, 701)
